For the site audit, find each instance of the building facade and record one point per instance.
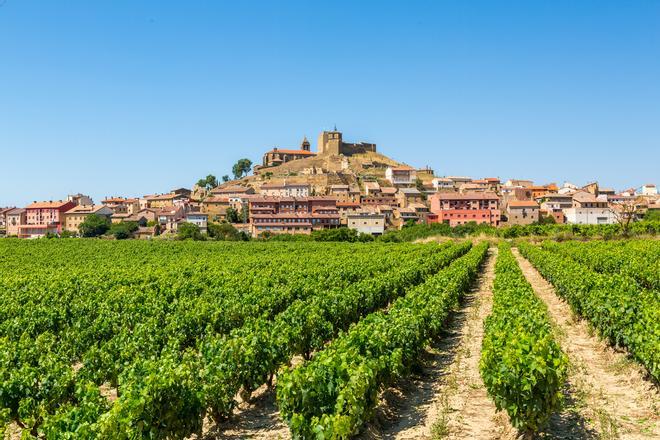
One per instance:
(290, 215)
(78, 214)
(331, 142)
(459, 209)
(366, 223)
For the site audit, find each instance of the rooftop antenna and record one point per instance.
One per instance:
(335, 127)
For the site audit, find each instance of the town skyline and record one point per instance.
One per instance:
(135, 98)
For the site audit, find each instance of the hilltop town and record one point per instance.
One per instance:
(341, 184)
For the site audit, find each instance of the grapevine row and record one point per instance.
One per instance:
(334, 393)
(522, 366)
(614, 304)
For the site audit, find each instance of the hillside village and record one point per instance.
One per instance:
(341, 184)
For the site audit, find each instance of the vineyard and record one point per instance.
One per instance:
(125, 340)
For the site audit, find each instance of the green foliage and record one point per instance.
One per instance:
(616, 304)
(155, 327)
(652, 216)
(241, 168)
(333, 394)
(232, 215)
(335, 234)
(522, 366)
(189, 231)
(123, 230)
(209, 182)
(547, 228)
(225, 178)
(94, 225)
(226, 232)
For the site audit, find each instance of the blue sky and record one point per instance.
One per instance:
(137, 97)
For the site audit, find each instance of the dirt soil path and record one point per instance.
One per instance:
(608, 396)
(447, 398)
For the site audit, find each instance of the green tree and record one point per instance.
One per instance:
(123, 230)
(241, 168)
(189, 231)
(232, 215)
(225, 178)
(225, 231)
(94, 225)
(208, 182)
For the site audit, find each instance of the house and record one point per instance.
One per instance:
(459, 209)
(169, 218)
(494, 184)
(161, 201)
(401, 175)
(3, 218)
(442, 184)
(406, 196)
(649, 190)
(371, 188)
(80, 199)
(522, 212)
(232, 191)
(367, 223)
(198, 218)
(340, 192)
(78, 214)
(379, 199)
(587, 209)
(347, 207)
(539, 191)
(553, 204)
(520, 183)
(459, 180)
(42, 218)
(216, 207)
(471, 187)
(405, 215)
(122, 205)
(290, 215)
(285, 189)
(14, 218)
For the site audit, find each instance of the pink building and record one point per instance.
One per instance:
(44, 217)
(289, 215)
(459, 209)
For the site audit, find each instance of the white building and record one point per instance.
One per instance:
(649, 190)
(589, 210)
(198, 218)
(285, 190)
(402, 175)
(442, 183)
(367, 223)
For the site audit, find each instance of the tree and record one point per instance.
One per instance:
(123, 230)
(225, 178)
(419, 184)
(209, 182)
(241, 168)
(94, 225)
(189, 231)
(625, 212)
(232, 215)
(225, 231)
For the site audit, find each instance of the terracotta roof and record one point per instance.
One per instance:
(388, 190)
(86, 209)
(523, 204)
(584, 197)
(348, 204)
(14, 211)
(402, 168)
(47, 205)
(216, 200)
(467, 196)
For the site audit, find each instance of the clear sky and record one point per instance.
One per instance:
(136, 97)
